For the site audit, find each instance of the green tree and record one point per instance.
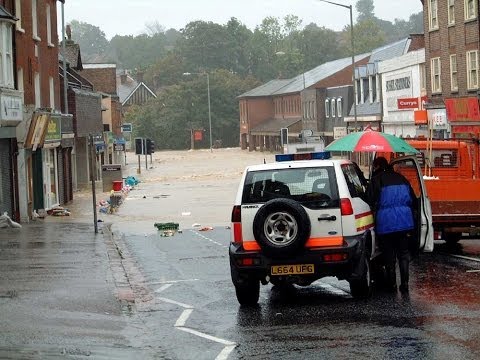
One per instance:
(91, 39)
(166, 71)
(365, 9)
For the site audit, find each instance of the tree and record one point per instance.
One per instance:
(154, 28)
(368, 36)
(91, 39)
(365, 9)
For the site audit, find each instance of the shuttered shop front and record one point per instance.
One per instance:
(6, 187)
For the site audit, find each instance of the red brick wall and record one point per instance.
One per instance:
(258, 110)
(103, 79)
(46, 64)
(457, 39)
(116, 117)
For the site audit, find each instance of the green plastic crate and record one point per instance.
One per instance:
(166, 226)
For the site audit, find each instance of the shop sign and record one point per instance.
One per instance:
(339, 131)
(462, 109)
(127, 127)
(411, 103)
(467, 130)
(437, 119)
(54, 129)
(198, 135)
(37, 130)
(11, 108)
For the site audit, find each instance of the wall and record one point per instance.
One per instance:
(103, 77)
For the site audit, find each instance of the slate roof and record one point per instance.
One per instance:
(274, 125)
(390, 51)
(296, 84)
(124, 90)
(367, 109)
(266, 89)
(72, 55)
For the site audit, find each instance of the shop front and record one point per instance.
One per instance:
(50, 155)
(463, 116)
(11, 104)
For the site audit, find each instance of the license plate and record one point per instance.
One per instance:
(293, 269)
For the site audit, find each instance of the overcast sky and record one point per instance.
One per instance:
(124, 17)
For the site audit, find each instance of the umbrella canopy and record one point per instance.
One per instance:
(371, 141)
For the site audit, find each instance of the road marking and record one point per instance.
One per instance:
(332, 289)
(183, 318)
(180, 325)
(186, 306)
(225, 352)
(473, 271)
(463, 257)
(207, 238)
(206, 336)
(164, 287)
(171, 282)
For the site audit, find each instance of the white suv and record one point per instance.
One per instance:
(296, 221)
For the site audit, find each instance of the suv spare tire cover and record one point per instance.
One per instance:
(281, 227)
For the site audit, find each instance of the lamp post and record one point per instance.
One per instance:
(209, 109)
(353, 57)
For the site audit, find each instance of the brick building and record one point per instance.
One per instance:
(452, 65)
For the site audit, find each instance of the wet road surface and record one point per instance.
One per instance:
(188, 276)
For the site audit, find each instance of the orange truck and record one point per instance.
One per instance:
(452, 179)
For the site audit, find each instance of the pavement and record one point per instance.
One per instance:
(62, 282)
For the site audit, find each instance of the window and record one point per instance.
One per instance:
(453, 72)
(49, 27)
(472, 69)
(339, 107)
(436, 72)
(6, 55)
(37, 91)
(18, 14)
(52, 92)
(451, 12)
(423, 78)
(333, 107)
(20, 79)
(433, 15)
(358, 91)
(470, 9)
(356, 185)
(327, 108)
(34, 20)
(366, 90)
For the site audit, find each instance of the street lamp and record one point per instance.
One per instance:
(209, 110)
(353, 57)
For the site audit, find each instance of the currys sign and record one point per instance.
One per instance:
(408, 103)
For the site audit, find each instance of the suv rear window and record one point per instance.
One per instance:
(314, 188)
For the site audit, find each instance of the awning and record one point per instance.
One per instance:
(271, 127)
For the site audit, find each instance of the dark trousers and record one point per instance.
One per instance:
(395, 246)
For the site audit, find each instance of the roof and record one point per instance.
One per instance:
(390, 51)
(126, 89)
(266, 89)
(99, 66)
(72, 55)
(274, 125)
(302, 81)
(142, 84)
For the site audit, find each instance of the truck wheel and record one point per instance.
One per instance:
(281, 227)
(361, 287)
(452, 238)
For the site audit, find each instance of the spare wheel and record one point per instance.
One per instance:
(281, 227)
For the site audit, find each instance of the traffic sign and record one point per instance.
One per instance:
(127, 127)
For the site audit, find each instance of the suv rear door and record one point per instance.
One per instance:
(408, 166)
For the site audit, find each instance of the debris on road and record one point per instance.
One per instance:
(206, 228)
(167, 229)
(6, 222)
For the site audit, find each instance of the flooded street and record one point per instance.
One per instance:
(68, 293)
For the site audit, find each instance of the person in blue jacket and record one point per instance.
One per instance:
(393, 203)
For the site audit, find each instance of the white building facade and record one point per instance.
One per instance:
(403, 92)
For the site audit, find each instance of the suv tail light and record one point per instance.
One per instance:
(346, 207)
(237, 224)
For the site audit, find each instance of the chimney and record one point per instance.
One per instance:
(123, 79)
(139, 76)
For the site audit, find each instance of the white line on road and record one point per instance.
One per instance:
(186, 306)
(206, 336)
(183, 318)
(225, 352)
(207, 238)
(164, 287)
(172, 281)
(464, 257)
